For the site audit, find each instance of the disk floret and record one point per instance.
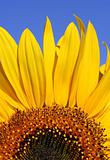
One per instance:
(56, 131)
(52, 144)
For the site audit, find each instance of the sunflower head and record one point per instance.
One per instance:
(54, 133)
(54, 103)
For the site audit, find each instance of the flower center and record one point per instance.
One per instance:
(50, 144)
(54, 132)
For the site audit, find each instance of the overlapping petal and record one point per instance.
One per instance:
(86, 74)
(81, 26)
(67, 57)
(6, 111)
(100, 98)
(30, 60)
(49, 61)
(8, 60)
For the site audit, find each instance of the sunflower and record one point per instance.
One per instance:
(54, 102)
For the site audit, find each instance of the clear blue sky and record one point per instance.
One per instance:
(15, 16)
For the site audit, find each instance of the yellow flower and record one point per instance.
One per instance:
(54, 105)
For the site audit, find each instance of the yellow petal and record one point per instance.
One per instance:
(65, 64)
(60, 42)
(102, 68)
(80, 25)
(49, 61)
(6, 111)
(100, 98)
(105, 119)
(107, 65)
(6, 86)
(86, 73)
(107, 49)
(2, 120)
(8, 59)
(11, 101)
(31, 67)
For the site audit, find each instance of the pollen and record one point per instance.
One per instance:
(56, 133)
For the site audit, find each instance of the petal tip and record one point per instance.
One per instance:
(48, 20)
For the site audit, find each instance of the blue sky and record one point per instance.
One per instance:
(15, 16)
